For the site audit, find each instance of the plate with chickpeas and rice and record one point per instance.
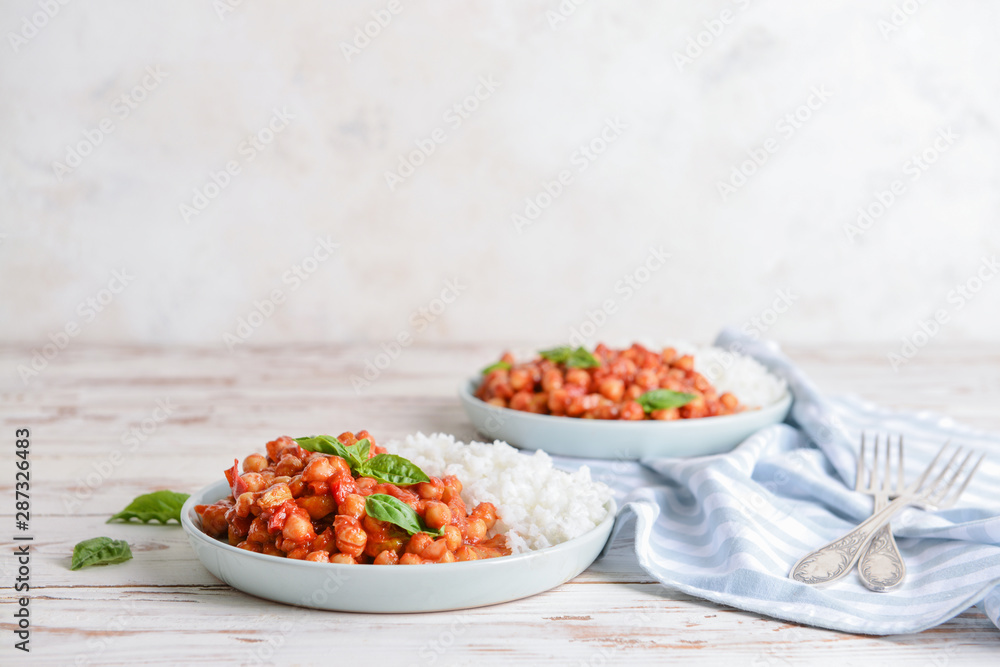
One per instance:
(625, 403)
(331, 522)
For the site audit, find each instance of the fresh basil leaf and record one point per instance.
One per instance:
(100, 551)
(387, 508)
(580, 358)
(324, 444)
(392, 469)
(664, 399)
(358, 452)
(159, 506)
(492, 367)
(557, 355)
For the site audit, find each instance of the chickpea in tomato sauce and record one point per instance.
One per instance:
(307, 505)
(609, 388)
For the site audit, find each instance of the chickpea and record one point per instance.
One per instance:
(258, 531)
(465, 553)
(521, 401)
(351, 537)
(274, 496)
(520, 379)
(685, 363)
(552, 379)
(431, 490)
(387, 557)
(475, 530)
(318, 556)
(498, 402)
(318, 488)
(669, 414)
(612, 388)
(250, 546)
(298, 528)
(410, 559)
(487, 512)
(353, 506)
(288, 465)
(243, 504)
(271, 549)
(447, 557)
(254, 481)
(647, 379)
(453, 484)
(275, 446)
(539, 403)
(296, 486)
(729, 402)
(317, 506)
(418, 543)
(298, 553)
(437, 515)
(366, 485)
(435, 550)
(325, 542)
(254, 463)
(579, 377)
(343, 559)
(558, 399)
(318, 470)
(452, 537)
(347, 438)
(633, 411)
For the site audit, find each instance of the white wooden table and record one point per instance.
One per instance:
(163, 607)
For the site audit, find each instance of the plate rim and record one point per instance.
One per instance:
(198, 497)
(468, 396)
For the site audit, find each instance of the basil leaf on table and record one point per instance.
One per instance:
(492, 367)
(159, 506)
(387, 508)
(100, 551)
(664, 399)
(392, 469)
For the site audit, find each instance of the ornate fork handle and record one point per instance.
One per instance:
(836, 559)
(882, 566)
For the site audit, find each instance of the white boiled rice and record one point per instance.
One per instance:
(538, 506)
(744, 377)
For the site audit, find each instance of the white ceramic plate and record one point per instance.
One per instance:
(390, 588)
(616, 438)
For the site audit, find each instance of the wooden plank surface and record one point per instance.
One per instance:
(164, 608)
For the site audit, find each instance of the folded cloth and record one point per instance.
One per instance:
(728, 528)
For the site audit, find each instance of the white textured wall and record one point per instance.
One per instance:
(674, 131)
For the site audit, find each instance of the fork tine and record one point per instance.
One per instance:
(887, 477)
(944, 472)
(968, 478)
(919, 484)
(859, 483)
(873, 482)
(939, 495)
(900, 484)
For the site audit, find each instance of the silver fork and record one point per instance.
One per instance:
(833, 561)
(881, 567)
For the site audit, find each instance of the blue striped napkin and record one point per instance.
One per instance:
(728, 528)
